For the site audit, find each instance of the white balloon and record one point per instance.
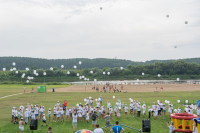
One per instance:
(75, 67)
(14, 69)
(4, 69)
(121, 68)
(90, 97)
(34, 71)
(27, 81)
(178, 101)
(37, 74)
(95, 80)
(80, 77)
(83, 77)
(186, 101)
(84, 100)
(77, 74)
(159, 75)
(99, 99)
(27, 69)
(91, 72)
(88, 79)
(108, 73)
(158, 101)
(16, 72)
(51, 68)
(11, 70)
(62, 66)
(113, 97)
(44, 73)
(13, 63)
(143, 74)
(104, 73)
(178, 79)
(79, 62)
(68, 72)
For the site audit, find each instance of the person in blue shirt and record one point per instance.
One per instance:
(117, 129)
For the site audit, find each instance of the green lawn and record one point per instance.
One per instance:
(50, 99)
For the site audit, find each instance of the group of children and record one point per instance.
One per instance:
(80, 112)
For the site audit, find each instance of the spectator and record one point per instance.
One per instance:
(94, 119)
(117, 129)
(98, 130)
(50, 130)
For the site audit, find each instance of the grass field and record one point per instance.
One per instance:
(49, 100)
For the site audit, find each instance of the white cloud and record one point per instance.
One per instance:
(128, 29)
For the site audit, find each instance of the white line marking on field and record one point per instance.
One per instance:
(11, 95)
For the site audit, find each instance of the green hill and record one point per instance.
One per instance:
(39, 63)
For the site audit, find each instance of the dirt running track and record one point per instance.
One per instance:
(135, 88)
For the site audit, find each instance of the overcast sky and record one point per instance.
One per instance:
(125, 29)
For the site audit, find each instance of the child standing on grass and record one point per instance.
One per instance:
(67, 113)
(21, 125)
(118, 113)
(44, 120)
(144, 109)
(58, 114)
(74, 121)
(149, 110)
(164, 111)
(54, 113)
(26, 114)
(155, 113)
(171, 127)
(62, 114)
(87, 117)
(49, 114)
(111, 111)
(126, 109)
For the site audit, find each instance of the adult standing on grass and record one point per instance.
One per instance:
(21, 125)
(117, 129)
(98, 130)
(74, 121)
(107, 118)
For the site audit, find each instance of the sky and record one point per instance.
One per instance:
(137, 30)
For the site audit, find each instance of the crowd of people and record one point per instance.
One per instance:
(92, 110)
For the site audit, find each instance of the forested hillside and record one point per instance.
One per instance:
(38, 63)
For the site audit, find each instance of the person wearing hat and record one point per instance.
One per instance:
(21, 125)
(44, 120)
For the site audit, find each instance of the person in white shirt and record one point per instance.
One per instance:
(26, 114)
(138, 110)
(111, 111)
(44, 120)
(67, 113)
(87, 117)
(144, 109)
(108, 105)
(98, 130)
(74, 121)
(126, 109)
(58, 114)
(62, 114)
(49, 114)
(171, 127)
(21, 125)
(33, 115)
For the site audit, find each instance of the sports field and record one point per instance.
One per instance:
(49, 99)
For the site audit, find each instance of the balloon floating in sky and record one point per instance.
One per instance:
(143, 74)
(101, 8)
(167, 15)
(13, 63)
(175, 46)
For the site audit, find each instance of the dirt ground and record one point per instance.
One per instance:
(135, 88)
